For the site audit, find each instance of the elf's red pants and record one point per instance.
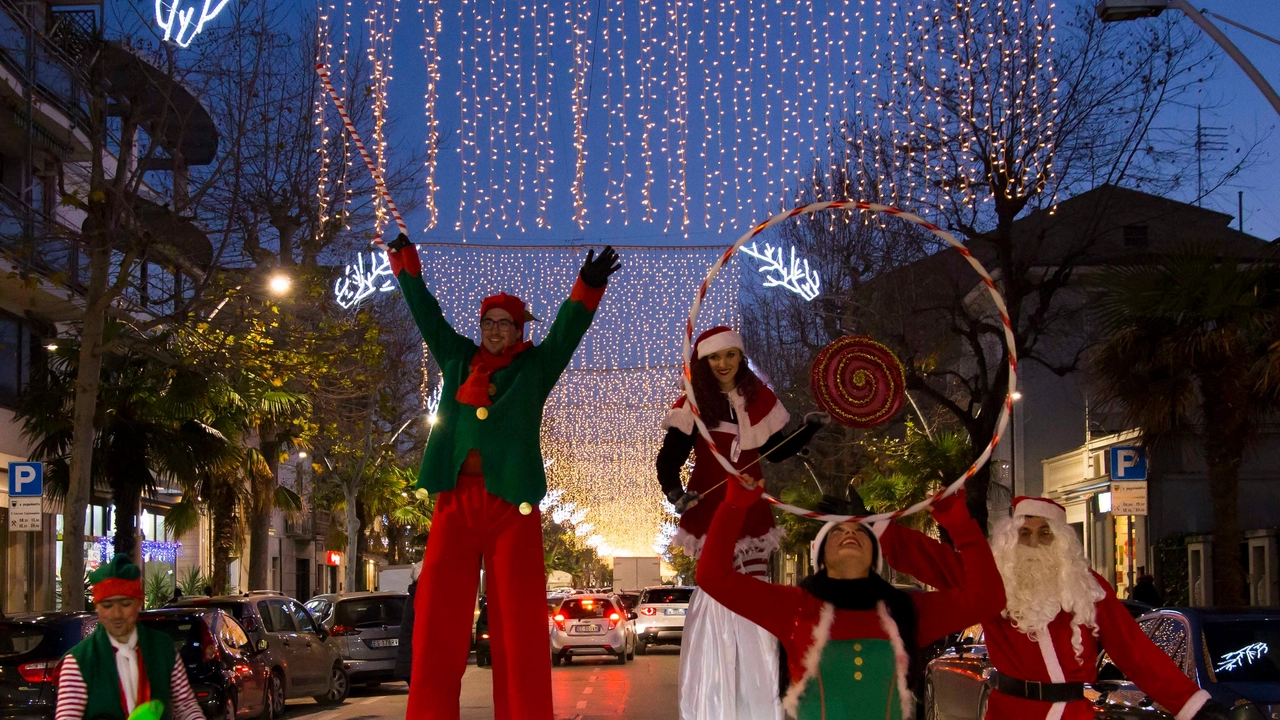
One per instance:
(470, 523)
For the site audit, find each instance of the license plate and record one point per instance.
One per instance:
(388, 642)
(586, 628)
(673, 611)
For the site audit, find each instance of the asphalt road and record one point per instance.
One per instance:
(643, 689)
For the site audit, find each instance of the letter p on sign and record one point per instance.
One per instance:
(26, 479)
(1128, 463)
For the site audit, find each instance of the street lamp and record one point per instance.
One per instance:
(1121, 10)
(279, 283)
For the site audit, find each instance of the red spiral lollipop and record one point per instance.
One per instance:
(858, 381)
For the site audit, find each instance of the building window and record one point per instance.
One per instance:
(1135, 236)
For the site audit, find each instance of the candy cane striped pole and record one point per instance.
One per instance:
(996, 299)
(381, 184)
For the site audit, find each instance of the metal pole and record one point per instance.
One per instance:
(1231, 49)
(1240, 209)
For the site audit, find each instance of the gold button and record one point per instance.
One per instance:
(857, 647)
(493, 389)
(482, 412)
(525, 508)
(857, 661)
(857, 676)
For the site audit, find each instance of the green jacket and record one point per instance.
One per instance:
(509, 437)
(96, 658)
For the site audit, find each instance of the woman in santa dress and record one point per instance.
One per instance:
(728, 664)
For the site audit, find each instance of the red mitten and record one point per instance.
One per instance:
(403, 255)
(740, 496)
(951, 510)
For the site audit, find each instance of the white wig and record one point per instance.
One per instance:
(1074, 589)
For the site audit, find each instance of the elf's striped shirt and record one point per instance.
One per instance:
(73, 695)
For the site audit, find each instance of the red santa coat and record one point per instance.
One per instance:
(1052, 659)
(739, 442)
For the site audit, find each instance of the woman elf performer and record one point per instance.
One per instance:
(851, 639)
(725, 671)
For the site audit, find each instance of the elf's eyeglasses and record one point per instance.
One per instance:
(503, 324)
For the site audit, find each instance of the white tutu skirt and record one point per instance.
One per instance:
(728, 665)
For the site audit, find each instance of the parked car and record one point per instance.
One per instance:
(660, 616)
(592, 625)
(30, 648)
(366, 626)
(303, 659)
(955, 682)
(228, 674)
(1228, 653)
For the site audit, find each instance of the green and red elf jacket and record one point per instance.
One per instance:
(506, 433)
(847, 664)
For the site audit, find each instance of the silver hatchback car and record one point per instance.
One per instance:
(366, 626)
(592, 625)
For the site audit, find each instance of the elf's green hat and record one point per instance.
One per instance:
(115, 578)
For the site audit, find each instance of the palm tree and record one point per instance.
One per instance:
(1190, 349)
(148, 427)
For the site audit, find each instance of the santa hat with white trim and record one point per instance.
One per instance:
(716, 339)
(1024, 506)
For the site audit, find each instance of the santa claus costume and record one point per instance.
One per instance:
(725, 673)
(484, 461)
(851, 644)
(1045, 642)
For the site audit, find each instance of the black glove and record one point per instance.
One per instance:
(401, 242)
(819, 419)
(832, 505)
(683, 501)
(1212, 711)
(596, 270)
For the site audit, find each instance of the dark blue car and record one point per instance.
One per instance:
(1232, 654)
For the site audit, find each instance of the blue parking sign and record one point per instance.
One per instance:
(26, 479)
(1128, 463)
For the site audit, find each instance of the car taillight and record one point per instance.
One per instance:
(38, 672)
(613, 620)
(344, 630)
(559, 618)
(210, 645)
(648, 611)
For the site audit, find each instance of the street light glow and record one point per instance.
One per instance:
(1122, 10)
(302, 455)
(280, 283)
(1017, 395)
(51, 347)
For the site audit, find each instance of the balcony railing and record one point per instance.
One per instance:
(48, 66)
(38, 243)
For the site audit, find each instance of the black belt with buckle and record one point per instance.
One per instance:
(1032, 690)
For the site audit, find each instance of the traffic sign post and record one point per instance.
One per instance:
(26, 501)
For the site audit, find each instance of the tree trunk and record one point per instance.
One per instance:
(1226, 432)
(222, 510)
(83, 433)
(128, 507)
(260, 514)
(353, 535)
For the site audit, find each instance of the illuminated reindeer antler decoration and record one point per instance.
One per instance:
(177, 23)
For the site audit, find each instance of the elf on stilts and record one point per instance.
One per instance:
(851, 639)
(485, 462)
(727, 668)
(1045, 641)
(123, 666)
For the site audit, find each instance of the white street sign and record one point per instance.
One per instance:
(25, 514)
(1129, 497)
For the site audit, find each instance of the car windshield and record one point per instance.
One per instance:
(665, 596)
(1244, 650)
(585, 608)
(369, 612)
(18, 638)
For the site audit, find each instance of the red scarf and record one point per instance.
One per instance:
(475, 391)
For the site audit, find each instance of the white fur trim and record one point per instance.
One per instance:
(1056, 711)
(1050, 657)
(1034, 507)
(763, 544)
(1193, 705)
(753, 436)
(680, 418)
(720, 341)
(812, 659)
(901, 660)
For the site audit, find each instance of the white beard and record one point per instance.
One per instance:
(1041, 582)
